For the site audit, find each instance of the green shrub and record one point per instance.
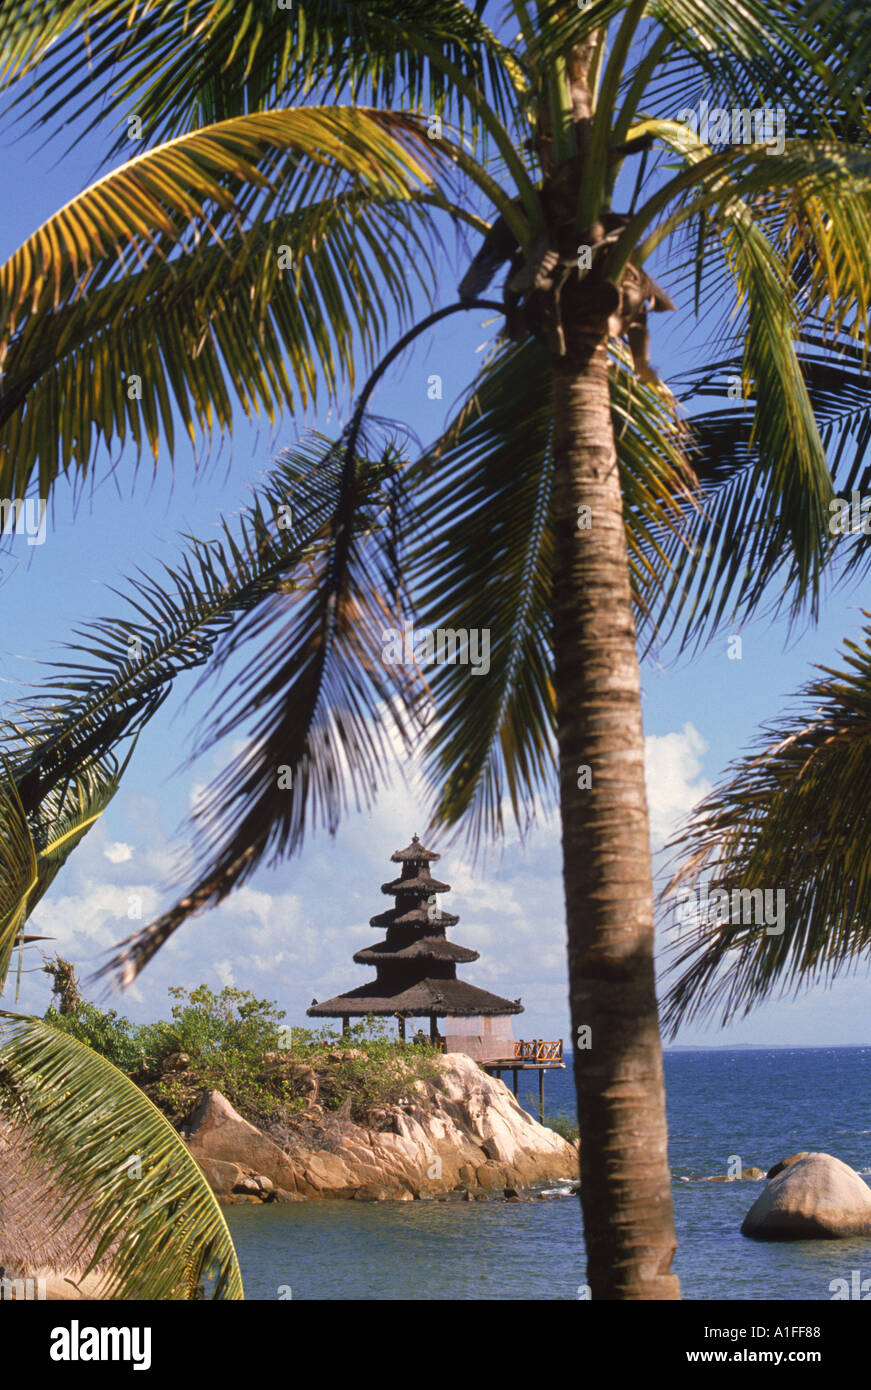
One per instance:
(114, 1037)
(564, 1124)
(226, 1037)
(206, 1025)
(383, 1072)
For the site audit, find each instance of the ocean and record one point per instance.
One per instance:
(758, 1104)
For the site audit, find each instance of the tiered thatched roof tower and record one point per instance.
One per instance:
(416, 965)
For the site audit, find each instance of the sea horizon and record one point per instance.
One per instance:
(760, 1104)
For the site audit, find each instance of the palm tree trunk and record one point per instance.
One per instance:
(626, 1184)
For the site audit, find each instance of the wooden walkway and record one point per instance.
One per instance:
(536, 1055)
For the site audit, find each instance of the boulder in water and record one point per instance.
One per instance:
(813, 1197)
(785, 1163)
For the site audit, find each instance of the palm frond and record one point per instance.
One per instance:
(39, 831)
(792, 819)
(122, 669)
(141, 1201)
(815, 180)
(179, 67)
(744, 53)
(320, 698)
(218, 325)
(18, 872)
(734, 555)
(171, 255)
(483, 563)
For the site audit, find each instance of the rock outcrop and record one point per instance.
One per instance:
(232, 1152)
(460, 1131)
(812, 1196)
(746, 1175)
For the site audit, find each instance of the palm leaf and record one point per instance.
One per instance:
(785, 436)
(208, 60)
(738, 51)
(125, 667)
(320, 700)
(122, 669)
(18, 872)
(734, 555)
(83, 1116)
(38, 835)
(210, 327)
(225, 593)
(176, 241)
(792, 818)
(483, 560)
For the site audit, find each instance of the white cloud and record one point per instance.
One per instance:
(95, 915)
(224, 971)
(673, 766)
(255, 904)
(118, 853)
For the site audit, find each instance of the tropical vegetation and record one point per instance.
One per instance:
(234, 1043)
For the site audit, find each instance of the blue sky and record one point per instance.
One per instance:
(290, 934)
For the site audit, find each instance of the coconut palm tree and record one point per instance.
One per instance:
(246, 255)
(791, 818)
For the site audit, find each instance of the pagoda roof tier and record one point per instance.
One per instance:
(414, 917)
(425, 948)
(414, 853)
(425, 999)
(421, 883)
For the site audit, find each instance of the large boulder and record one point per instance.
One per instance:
(457, 1130)
(222, 1177)
(785, 1163)
(814, 1197)
(219, 1133)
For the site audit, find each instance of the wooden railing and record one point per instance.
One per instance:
(539, 1051)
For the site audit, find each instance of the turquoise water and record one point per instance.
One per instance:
(758, 1104)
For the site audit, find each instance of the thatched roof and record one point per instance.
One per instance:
(414, 917)
(427, 998)
(424, 948)
(414, 852)
(33, 1242)
(421, 884)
